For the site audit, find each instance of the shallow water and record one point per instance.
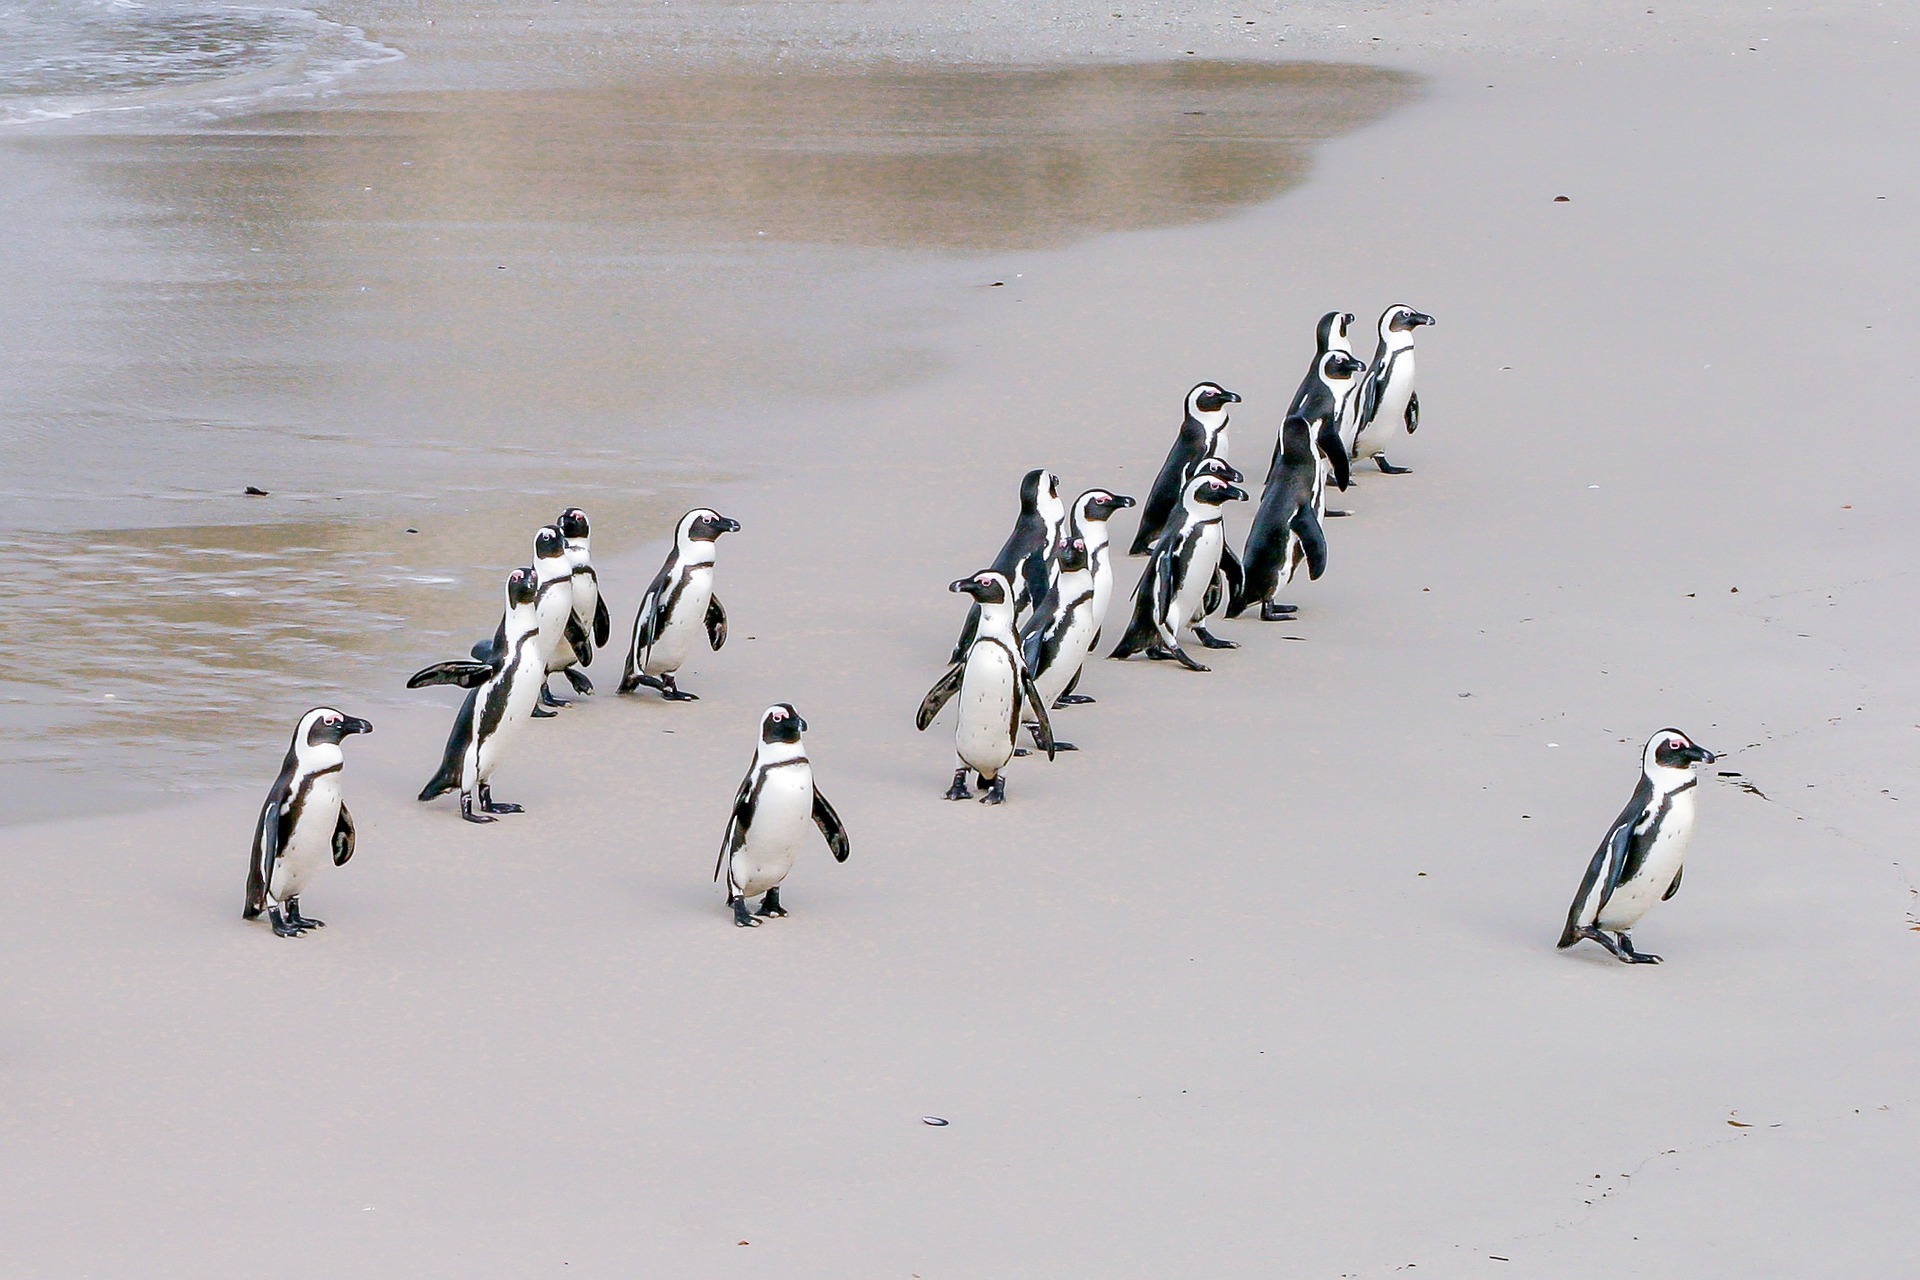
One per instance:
(458, 311)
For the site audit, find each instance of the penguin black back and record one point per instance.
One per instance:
(1205, 418)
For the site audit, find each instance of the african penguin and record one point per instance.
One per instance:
(1087, 521)
(1026, 558)
(589, 610)
(501, 694)
(1202, 434)
(1389, 405)
(1228, 577)
(1321, 402)
(562, 641)
(776, 801)
(1179, 574)
(1286, 530)
(1640, 861)
(991, 680)
(1056, 640)
(303, 823)
(678, 604)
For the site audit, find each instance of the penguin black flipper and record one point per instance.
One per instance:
(578, 641)
(1675, 886)
(716, 622)
(1604, 872)
(831, 827)
(1313, 540)
(737, 822)
(266, 849)
(1236, 573)
(468, 675)
(1328, 443)
(1413, 413)
(938, 696)
(343, 838)
(602, 620)
(1043, 729)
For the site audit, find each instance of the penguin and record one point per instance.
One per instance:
(679, 601)
(1202, 434)
(1286, 530)
(1058, 637)
(991, 680)
(1087, 521)
(501, 697)
(1388, 401)
(1179, 574)
(1640, 861)
(1228, 577)
(303, 822)
(771, 810)
(563, 642)
(1322, 402)
(589, 610)
(1026, 558)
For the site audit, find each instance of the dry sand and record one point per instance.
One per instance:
(1261, 981)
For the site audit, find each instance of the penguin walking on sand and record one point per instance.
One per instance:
(1640, 861)
(1203, 434)
(1286, 529)
(563, 642)
(771, 812)
(303, 823)
(1026, 558)
(992, 681)
(589, 610)
(1322, 402)
(1178, 576)
(1058, 638)
(678, 604)
(501, 694)
(1389, 405)
(1087, 521)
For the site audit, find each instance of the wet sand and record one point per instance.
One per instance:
(1261, 981)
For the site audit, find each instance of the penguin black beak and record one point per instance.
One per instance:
(966, 586)
(1700, 754)
(353, 724)
(1237, 494)
(1122, 501)
(1230, 397)
(803, 726)
(1419, 318)
(729, 526)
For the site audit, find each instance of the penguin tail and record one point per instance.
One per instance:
(440, 785)
(1568, 936)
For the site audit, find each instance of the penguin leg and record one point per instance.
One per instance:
(1033, 727)
(1592, 934)
(958, 791)
(281, 927)
(996, 791)
(1627, 953)
(548, 700)
(299, 921)
(466, 810)
(578, 679)
(770, 904)
(741, 916)
(1181, 656)
(1380, 461)
(637, 679)
(541, 713)
(673, 692)
(1271, 612)
(487, 805)
(1213, 641)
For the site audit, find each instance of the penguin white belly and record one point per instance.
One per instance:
(1193, 589)
(688, 621)
(523, 689)
(311, 842)
(984, 736)
(1074, 647)
(586, 598)
(555, 607)
(1633, 898)
(782, 816)
(1389, 423)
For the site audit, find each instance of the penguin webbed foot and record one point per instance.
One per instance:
(959, 791)
(578, 679)
(770, 904)
(1163, 653)
(1071, 700)
(1270, 612)
(1334, 513)
(541, 713)
(282, 928)
(466, 811)
(489, 805)
(1033, 728)
(1380, 461)
(1628, 954)
(1213, 641)
(996, 792)
(299, 921)
(742, 918)
(674, 693)
(548, 700)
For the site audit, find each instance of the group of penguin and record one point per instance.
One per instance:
(1037, 615)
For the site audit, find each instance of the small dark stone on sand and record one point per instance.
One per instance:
(413, 531)
(1563, 199)
(253, 492)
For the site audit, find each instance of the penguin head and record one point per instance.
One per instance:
(781, 723)
(1097, 504)
(1209, 490)
(1673, 750)
(1333, 328)
(549, 543)
(704, 524)
(572, 523)
(987, 586)
(1217, 467)
(1338, 366)
(1072, 554)
(1400, 318)
(523, 588)
(325, 725)
(1038, 486)
(1209, 397)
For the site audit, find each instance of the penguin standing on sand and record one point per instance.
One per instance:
(1059, 636)
(1202, 434)
(1286, 530)
(1389, 405)
(1087, 521)
(1179, 575)
(501, 697)
(303, 823)
(1640, 861)
(589, 610)
(678, 604)
(1026, 558)
(991, 680)
(1321, 402)
(771, 812)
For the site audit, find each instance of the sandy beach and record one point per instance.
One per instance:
(1259, 982)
